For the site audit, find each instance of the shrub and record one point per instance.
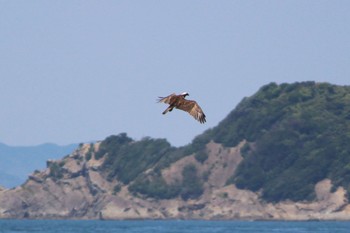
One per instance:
(201, 156)
(155, 187)
(56, 171)
(126, 160)
(192, 186)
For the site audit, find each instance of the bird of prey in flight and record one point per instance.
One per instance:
(179, 102)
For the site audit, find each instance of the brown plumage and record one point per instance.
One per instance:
(179, 102)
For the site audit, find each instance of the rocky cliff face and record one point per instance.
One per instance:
(77, 188)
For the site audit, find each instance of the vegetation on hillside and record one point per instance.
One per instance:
(126, 159)
(154, 186)
(299, 134)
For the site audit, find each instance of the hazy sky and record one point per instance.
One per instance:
(74, 71)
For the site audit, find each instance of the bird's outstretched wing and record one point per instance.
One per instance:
(193, 109)
(167, 99)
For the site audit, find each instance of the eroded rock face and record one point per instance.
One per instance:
(75, 187)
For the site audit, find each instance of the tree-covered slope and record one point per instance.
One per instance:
(298, 134)
(139, 164)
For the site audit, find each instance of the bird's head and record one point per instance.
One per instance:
(184, 94)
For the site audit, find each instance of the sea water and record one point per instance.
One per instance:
(68, 226)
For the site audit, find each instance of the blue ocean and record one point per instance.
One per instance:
(67, 226)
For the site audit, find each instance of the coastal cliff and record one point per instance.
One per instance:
(83, 192)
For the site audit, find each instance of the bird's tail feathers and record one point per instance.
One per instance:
(160, 99)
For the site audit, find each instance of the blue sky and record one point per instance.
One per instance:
(75, 71)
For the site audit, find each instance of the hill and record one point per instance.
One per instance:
(280, 154)
(297, 134)
(15, 166)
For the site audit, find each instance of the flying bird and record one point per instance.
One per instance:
(179, 102)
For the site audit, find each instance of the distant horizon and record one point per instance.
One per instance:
(41, 144)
